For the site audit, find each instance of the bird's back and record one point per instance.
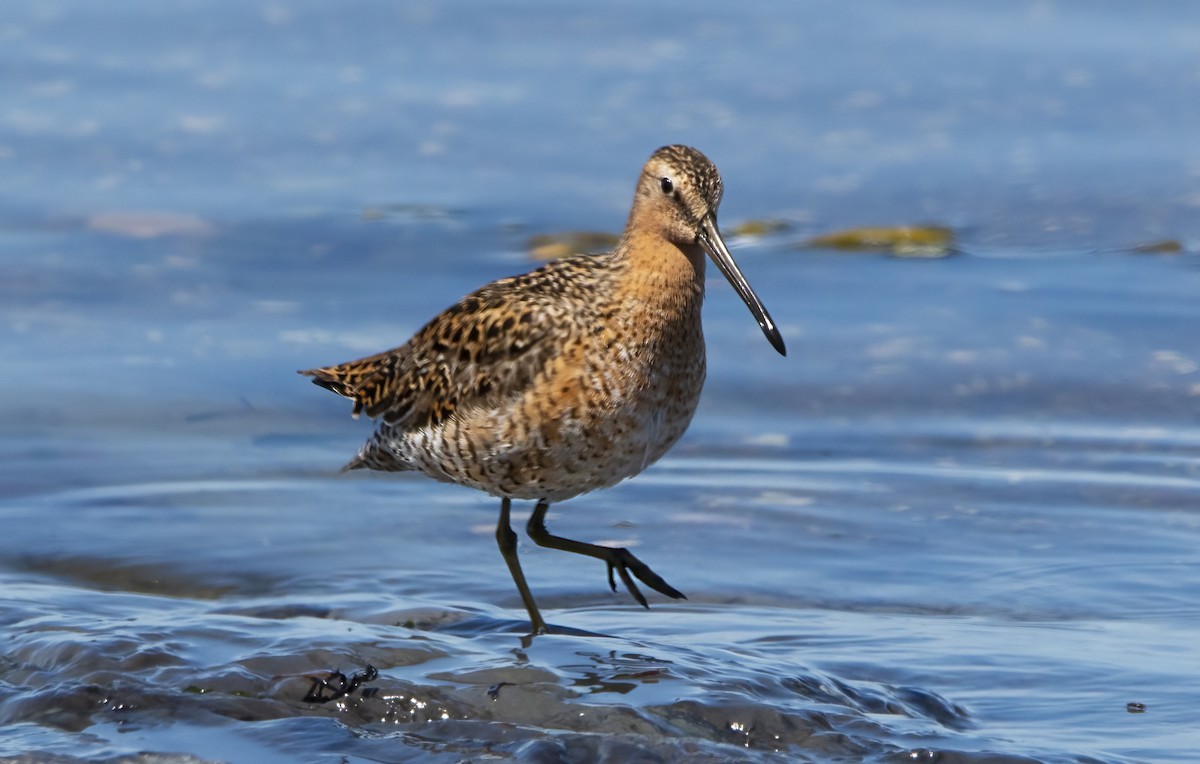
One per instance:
(474, 353)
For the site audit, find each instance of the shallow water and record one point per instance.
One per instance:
(958, 523)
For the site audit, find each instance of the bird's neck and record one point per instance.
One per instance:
(656, 269)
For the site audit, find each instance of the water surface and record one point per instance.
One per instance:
(958, 523)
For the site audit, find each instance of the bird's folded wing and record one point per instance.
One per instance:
(490, 345)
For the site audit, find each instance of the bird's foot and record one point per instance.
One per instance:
(623, 562)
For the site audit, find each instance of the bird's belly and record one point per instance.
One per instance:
(568, 458)
(563, 439)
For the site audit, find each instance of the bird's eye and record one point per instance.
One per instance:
(667, 185)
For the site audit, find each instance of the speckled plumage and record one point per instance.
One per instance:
(566, 379)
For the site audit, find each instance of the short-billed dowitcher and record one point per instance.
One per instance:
(568, 378)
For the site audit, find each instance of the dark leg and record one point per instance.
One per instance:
(619, 559)
(507, 540)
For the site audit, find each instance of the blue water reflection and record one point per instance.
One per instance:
(960, 518)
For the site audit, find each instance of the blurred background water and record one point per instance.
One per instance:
(958, 523)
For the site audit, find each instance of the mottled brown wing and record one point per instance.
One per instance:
(493, 343)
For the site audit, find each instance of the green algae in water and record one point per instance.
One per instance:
(899, 241)
(552, 246)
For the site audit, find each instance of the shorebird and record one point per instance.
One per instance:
(566, 379)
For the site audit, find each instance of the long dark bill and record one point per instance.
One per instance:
(710, 239)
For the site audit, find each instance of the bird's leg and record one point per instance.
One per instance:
(507, 541)
(617, 558)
